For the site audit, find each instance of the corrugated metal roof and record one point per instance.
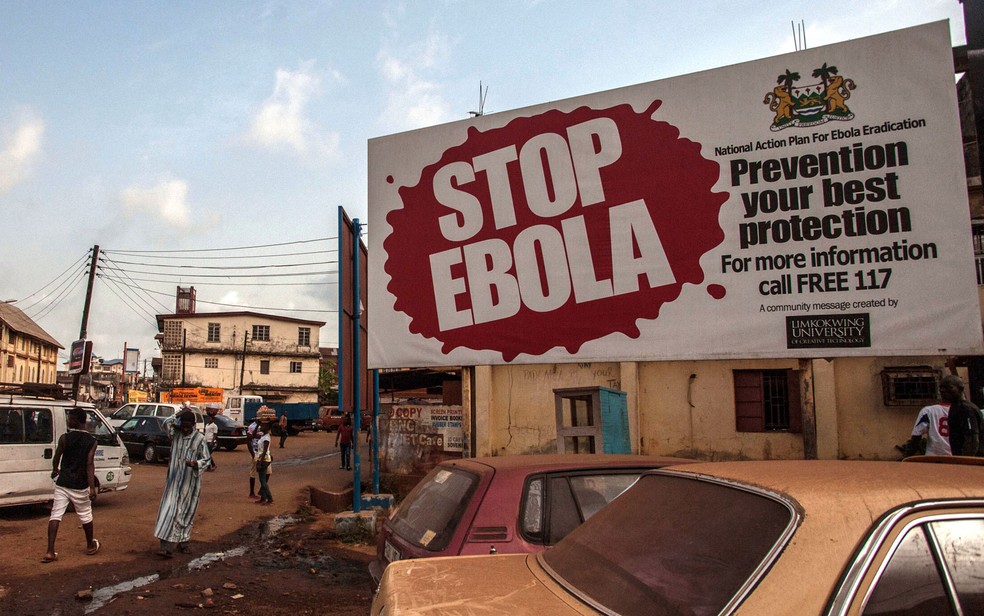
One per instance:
(22, 324)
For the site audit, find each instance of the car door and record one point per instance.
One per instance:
(130, 435)
(27, 445)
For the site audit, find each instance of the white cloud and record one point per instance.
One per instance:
(19, 149)
(166, 202)
(412, 100)
(282, 121)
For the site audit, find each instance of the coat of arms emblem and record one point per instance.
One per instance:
(812, 104)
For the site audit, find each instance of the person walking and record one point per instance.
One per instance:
(282, 425)
(73, 468)
(343, 437)
(211, 438)
(253, 435)
(964, 420)
(183, 486)
(264, 462)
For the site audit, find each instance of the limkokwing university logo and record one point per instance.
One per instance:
(810, 105)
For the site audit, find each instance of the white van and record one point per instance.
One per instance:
(32, 419)
(234, 406)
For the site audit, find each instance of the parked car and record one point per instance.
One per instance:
(505, 504)
(144, 437)
(777, 537)
(231, 433)
(155, 409)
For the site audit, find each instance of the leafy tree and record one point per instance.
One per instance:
(328, 383)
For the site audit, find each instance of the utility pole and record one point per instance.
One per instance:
(83, 330)
(242, 367)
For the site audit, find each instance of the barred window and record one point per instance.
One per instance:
(767, 401)
(261, 333)
(295, 367)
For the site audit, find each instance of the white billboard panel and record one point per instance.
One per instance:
(813, 204)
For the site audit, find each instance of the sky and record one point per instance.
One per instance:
(184, 135)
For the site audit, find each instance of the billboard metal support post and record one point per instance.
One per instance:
(357, 373)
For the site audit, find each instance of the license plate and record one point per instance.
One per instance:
(392, 554)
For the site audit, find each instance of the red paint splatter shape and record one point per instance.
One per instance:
(655, 165)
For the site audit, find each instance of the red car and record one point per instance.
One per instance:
(506, 504)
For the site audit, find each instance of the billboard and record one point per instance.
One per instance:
(812, 204)
(131, 363)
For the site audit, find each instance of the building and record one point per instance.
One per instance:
(28, 354)
(241, 352)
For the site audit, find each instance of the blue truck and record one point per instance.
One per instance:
(300, 415)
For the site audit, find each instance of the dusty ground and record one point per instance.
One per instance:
(282, 559)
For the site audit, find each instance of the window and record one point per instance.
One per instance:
(303, 337)
(767, 401)
(295, 367)
(214, 331)
(11, 426)
(211, 362)
(430, 514)
(911, 583)
(264, 366)
(261, 333)
(910, 386)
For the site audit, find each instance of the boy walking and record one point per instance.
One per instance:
(74, 470)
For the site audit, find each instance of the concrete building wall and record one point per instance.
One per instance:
(688, 408)
(230, 372)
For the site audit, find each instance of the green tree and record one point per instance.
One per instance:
(328, 383)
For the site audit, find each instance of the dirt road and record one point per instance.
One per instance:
(280, 559)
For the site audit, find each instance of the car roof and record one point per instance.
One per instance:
(839, 501)
(547, 462)
(812, 482)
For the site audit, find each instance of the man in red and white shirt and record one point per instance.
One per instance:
(932, 422)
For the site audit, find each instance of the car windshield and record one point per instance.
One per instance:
(429, 515)
(95, 426)
(670, 546)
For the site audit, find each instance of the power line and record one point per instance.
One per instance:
(227, 267)
(252, 284)
(201, 301)
(209, 257)
(185, 276)
(45, 311)
(77, 261)
(150, 297)
(134, 252)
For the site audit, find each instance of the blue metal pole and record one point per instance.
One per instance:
(339, 368)
(356, 371)
(375, 431)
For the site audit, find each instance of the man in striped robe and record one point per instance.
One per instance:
(179, 502)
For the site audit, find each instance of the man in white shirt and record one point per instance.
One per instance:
(932, 423)
(211, 437)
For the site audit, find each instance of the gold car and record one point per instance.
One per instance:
(776, 537)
